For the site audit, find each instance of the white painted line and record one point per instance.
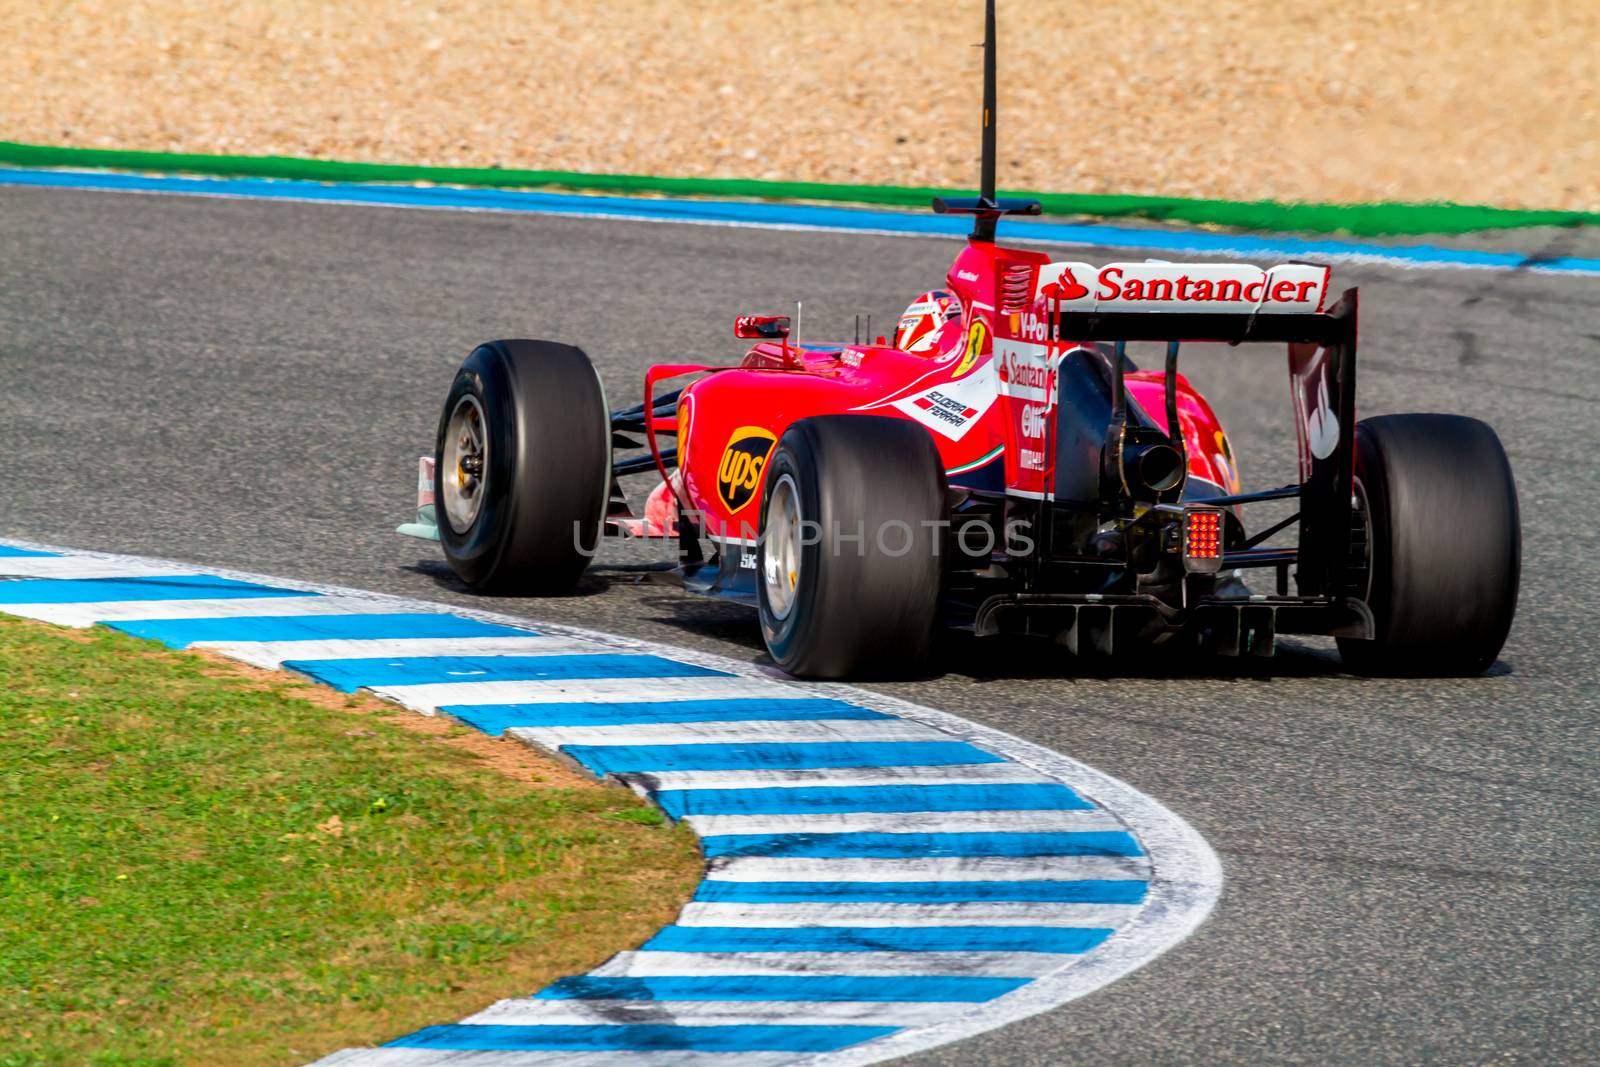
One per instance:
(839, 964)
(81, 615)
(89, 567)
(906, 822)
(925, 869)
(433, 1057)
(776, 732)
(962, 774)
(274, 653)
(985, 913)
(434, 695)
(530, 1012)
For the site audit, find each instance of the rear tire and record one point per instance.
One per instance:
(522, 467)
(834, 606)
(1445, 545)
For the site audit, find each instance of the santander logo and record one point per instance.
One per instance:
(1235, 288)
(1065, 287)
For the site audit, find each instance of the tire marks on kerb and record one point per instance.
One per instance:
(881, 877)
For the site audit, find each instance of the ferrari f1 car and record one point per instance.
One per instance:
(1001, 468)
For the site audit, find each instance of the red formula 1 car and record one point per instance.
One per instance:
(1002, 468)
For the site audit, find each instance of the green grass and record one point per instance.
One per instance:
(200, 865)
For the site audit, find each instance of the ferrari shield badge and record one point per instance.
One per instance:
(977, 341)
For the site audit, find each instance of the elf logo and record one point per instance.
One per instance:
(1033, 421)
(743, 461)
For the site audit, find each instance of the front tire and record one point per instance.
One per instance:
(848, 570)
(522, 467)
(1445, 545)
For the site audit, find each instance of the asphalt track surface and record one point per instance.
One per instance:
(1413, 867)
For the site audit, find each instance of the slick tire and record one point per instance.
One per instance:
(1445, 545)
(522, 468)
(849, 566)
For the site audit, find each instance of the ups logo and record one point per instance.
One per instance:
(742, 463)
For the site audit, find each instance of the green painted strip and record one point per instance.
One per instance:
(975, 464)
(1370, 220)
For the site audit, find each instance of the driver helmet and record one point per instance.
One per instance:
(924, 319)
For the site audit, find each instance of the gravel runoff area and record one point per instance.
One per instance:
(1476, 101)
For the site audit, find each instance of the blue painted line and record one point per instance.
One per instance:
(891, 846)
(348, 675)
(640, 1037)
(796, 800)
(1069, 939)
(618, 759)
(496, 719)
(808, 216)
(1082, 891)
(166, 587)
(919, 989)
(11, 551)
(181, 633)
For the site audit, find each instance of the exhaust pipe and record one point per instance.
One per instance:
(1146, 462)
(1155, 466)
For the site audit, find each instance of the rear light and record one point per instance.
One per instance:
(1202, 539)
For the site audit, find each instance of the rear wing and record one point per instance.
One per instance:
(1076, 303)
(1187, 302)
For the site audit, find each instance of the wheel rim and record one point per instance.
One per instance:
(464, 464)
(781, 545)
